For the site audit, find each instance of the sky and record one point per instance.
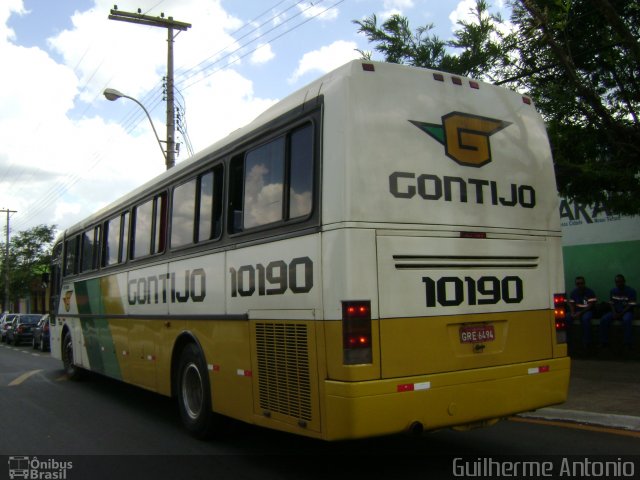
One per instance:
(66, 151)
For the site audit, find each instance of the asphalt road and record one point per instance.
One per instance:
(112, 430)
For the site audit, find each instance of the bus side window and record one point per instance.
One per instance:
(124, 250)
(142, 228)
(150, 226)
(86, 258)
(90, 250)
(236, 183)
(71, 256)
(263, 184)
(183, 210)
(160, 223)
(56, 280)
(301, 172)
(111, 242)
(210, 205)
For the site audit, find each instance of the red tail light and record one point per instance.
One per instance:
(45, 328)
(356, 332)
(20, 329)
(560, 314)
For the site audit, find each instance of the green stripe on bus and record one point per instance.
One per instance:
(98, 339)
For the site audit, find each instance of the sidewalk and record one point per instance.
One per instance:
(601, 392)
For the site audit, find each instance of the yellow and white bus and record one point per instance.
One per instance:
(378, 252)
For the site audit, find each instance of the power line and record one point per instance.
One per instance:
(134, 117)
(185, 73)
(186, 77)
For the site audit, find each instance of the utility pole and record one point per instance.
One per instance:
(170, 24)
(6, 265)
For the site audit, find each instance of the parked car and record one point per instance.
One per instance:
(41, 334)
(5, 324)
(21, 328)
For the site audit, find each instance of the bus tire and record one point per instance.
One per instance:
(71, 369)
(194, 397)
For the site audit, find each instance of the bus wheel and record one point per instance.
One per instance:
(194, 398)
(73, 372)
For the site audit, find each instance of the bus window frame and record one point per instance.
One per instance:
(240, 156)
(310, 112)
(75, 238)
(173, 189)
(216, 169)
(158, 197)
(121, 254)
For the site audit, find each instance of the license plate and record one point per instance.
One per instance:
(477, 334)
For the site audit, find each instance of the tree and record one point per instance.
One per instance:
(578, 59)
(483, 45)
(29, 258)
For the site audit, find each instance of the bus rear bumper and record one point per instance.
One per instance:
(463, 398)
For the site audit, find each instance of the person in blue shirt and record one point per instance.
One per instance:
(622, 300)
(582, 302)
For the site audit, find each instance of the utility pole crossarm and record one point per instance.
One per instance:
(141, 19)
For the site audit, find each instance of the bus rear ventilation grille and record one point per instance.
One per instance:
(283, 369)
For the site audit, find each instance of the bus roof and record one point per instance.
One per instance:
(321, 86)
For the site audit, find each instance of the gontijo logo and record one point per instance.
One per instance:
(465, 137)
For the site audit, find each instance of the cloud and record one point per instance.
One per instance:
(132, 57)
(325, 59)
(393, 7)
(262, 54)
(61, 157)
(221, 103)
(463, 12)
(7, 8)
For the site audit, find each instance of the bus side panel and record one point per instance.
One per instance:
(68, 316)
(349, 274)
(278, 286)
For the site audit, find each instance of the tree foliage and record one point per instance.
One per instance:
(29, 258)
(578, 59)
(482, 44)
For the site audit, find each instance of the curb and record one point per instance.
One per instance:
(623, 422)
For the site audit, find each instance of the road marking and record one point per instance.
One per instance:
(35, 354)
(577, 426)
(62, 378)
(23, 377)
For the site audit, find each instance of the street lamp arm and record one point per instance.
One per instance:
(112, 95)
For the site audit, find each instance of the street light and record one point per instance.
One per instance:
(112, 95)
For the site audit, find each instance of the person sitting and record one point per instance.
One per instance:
(622, 300)
(582, 302)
